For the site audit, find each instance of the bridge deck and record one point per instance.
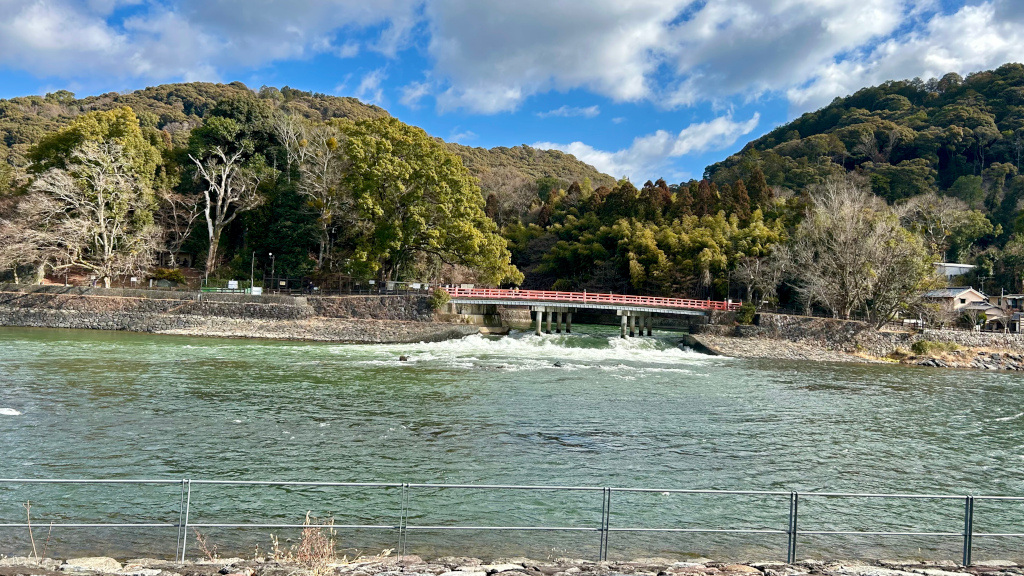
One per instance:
(586, 300)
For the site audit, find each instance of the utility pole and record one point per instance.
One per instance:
(252, 271)
(272, 268)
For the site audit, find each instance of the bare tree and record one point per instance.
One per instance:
(16, 247)
(231, 188)
(294, 133)
(762, 276)
(850, 254)
(934, 217)
(321, 170)
(177, 216)
(96, 214)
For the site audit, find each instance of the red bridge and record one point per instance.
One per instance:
(633, 309)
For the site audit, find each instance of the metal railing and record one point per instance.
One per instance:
(604, 528)
(590, 297)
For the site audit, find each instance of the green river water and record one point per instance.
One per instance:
(637, 413)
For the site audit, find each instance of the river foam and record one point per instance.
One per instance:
(9, 412)
(523, 351)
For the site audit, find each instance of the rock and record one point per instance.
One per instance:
(92, 564)
(464, 573)
(403, 358)
(557, 364)
(220, 562)
(995, 564)
(136, 570)
(495, 568)
(740, 569)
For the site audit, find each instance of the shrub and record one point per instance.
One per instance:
(745, 315)
(172, 275)
(439, 298)
(924, 347)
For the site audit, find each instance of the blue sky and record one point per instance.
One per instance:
(639, 88)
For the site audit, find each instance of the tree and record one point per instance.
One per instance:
(176, 216)
(119, 126)
(231, 188)
(414, 198)
(850, 254)
(947, 225)
(321, 180)
(95, 214)
(762, 276)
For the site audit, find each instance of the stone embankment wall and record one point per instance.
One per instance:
(341, 319)
(808, 337)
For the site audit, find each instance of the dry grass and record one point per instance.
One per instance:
(316, 549)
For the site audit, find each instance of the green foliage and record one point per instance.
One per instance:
(439, 298)
(927, 347)
(745, 315)
(415, 199)
(169, 274)
(119, 126)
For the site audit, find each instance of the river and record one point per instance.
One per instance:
(587, 409)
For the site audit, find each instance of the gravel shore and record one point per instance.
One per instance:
(459, 566)
(757, 347)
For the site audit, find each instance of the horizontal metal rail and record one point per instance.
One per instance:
(403, 527)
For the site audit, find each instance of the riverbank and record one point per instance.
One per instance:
(464, 566)
(786, 337)
(351, 320)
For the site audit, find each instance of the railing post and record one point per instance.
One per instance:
(794, 504)
(606, 514)
(403, 520)
(968, 528)
(181, 518)
(188, 506)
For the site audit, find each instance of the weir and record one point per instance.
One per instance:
(636, 312)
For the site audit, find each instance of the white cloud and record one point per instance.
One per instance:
(973, 38)
(651, 153)
(461, 137)
(618, 120)
(413, 93)
(571, 111)
(495, 53)
(369, 89)
(189, 39)
(349, 49)
(489, 56)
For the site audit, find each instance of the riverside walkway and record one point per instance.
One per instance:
(635, 311)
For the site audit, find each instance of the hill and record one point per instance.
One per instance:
(963, 137)
(177, 108)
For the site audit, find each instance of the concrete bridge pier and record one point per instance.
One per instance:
(622, 330)
(558, 322)
(539, 312)
(568, 322)
(547, 319)
(650, 324)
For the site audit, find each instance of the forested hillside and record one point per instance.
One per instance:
(177, 108)
(911, 172)
(963, 137)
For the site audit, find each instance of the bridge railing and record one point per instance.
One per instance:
(590, 297)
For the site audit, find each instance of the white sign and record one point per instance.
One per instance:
(232, 284)
(257, 290)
